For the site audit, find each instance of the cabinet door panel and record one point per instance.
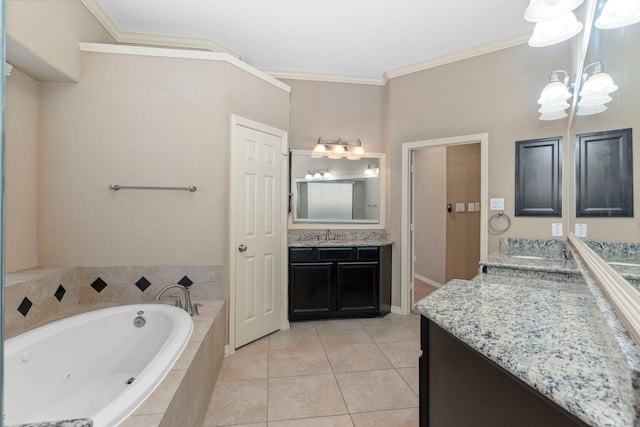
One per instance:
(310, 289)
(357, 286)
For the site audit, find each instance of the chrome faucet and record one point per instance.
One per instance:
(188, 307)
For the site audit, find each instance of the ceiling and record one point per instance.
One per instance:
(358, 38)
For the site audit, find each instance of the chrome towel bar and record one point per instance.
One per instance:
(116, 187)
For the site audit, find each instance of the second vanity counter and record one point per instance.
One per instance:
(552, 335)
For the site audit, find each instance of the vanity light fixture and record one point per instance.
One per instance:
(371, 171)
(619, 13)
(338, 149)
(593, 96)
(308, 176)
(554, 19)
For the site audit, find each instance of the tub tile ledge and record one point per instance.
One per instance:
(81, 422)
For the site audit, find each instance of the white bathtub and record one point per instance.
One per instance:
(83, 366)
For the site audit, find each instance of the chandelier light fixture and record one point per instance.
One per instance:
(338, 149)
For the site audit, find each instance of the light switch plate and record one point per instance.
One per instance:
(497, 204)
(556, 229)
(477, 206)
(459, 207)
(471, 207)
(581, 230)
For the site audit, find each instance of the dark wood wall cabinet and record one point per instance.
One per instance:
(604, 174)
(460, 387)
(339, 282)
(539, 177)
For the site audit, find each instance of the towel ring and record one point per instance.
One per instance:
(497, 216)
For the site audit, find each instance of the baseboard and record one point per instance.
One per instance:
(427, 281)
(396, 309)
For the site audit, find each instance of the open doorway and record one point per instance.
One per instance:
(438, 244)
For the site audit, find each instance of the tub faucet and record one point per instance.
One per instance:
(188, 307)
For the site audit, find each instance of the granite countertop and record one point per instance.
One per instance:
(533, 263)
(84, 422)
(339, 243)
(551, 335)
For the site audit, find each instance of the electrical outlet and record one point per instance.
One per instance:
(471, 207)
(459, 207)
(477, 206)
(581, 230)
(556, 229)
(496, 204)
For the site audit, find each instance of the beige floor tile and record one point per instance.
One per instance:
(237, 402)
(334, 340)
(390, 332)
(375, 391)
(296, 337)
(337, 421)
(402, 354)
(243, 425)
(411, 376)
(247, 363)
(286, 362)
(356, 357)
(339, 327)
(392, 418)
(304, 397)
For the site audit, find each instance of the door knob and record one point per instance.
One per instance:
(242, 248)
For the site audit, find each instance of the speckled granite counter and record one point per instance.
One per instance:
(551, 335)
(338, 243)
(84, 422)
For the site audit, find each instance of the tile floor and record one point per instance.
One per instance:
(335, 373)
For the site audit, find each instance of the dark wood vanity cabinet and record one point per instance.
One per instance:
(338, 282)
(460, 387)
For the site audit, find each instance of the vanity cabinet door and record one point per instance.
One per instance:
(311, 292)
(357, 287)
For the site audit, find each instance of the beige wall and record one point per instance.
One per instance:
(21, 172)
(430, 201)
(494, 93)
(333, 110)
(142, 121)
(43, 36)
(463, 228)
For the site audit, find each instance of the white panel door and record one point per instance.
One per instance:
(257, 234)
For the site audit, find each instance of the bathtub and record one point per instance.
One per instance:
(100, 365)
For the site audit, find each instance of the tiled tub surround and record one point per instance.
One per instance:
(339, 238)
(551, 335)
(190, 383)
(34, 297)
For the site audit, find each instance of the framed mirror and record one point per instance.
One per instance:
(336, 193)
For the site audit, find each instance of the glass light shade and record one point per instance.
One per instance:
(356, 153)
(556, 30)
(554, 92)
(598, 84)
(619, 13)
(317, 175)
(318, 151)
(553, 116)
(553, 108)
(336, 152)
(587, 111)
(326, 175)
(594, 101)
(368, 171)
(308, 176)
(542, 10)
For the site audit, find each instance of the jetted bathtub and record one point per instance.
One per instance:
(100, 365)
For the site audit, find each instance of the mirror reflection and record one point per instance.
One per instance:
(338, 191)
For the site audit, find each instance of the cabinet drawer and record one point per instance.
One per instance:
(301, 254)
(335, 254)
(368, 254)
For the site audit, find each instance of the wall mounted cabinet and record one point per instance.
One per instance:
(604, 174)
(338, 282)
(539, 177)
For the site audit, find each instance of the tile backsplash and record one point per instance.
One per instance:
(34, 296)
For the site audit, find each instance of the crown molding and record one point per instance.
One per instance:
(182, 54)
(319, 77)
(456, 56)
(153, 39)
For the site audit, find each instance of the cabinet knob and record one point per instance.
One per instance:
(242, 248)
